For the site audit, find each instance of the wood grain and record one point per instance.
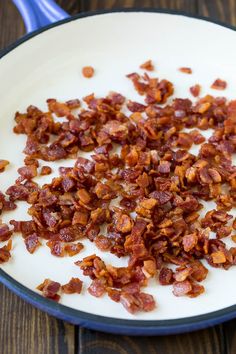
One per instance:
(186, 5)
(26, 330)
(202, 342)
(222, 10)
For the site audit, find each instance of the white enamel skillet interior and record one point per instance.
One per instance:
(48, 64)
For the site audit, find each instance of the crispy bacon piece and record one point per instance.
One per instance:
(148, 65)
(97, 288)
(182, 288)
(185, 70)
(166, 276)
(27, 172)
(3, 165)
(45, 170)
(88, 71)
(32, 242)
(50, 289)
(219, 84)
(74, 286)
(5, 254)
(137, 302)
(195, 90)
(57, 248)
(190, 241)
(73, 248)
(5, 232)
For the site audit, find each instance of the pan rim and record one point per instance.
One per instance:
(97, 322)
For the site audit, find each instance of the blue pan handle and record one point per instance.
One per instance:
(39, 13)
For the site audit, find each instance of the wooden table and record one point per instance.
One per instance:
(26, 330)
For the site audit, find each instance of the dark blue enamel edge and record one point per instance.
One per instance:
(100, 323)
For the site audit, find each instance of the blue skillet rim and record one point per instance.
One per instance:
(97, 322)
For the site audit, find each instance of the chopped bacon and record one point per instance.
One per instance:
(185, 70)
(5, 232)
(50, 289)
(73, 248)
(32, 242)
(166, 276)
(45, 170)
(195, 90)
(74, 286)
(148, 65)
(182, 288)
(5, 254)
(57, 248)
(97, 288)
(219, 84)
(139, 194)
(88, 71)
(3, 165)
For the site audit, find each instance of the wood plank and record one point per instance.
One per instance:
(26, 330)
(222, 10)
(229, 329)
(11, 24)
(200, 342)
(184, 5)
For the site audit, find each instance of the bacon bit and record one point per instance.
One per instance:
(83, 195)
(104, 192)
(103, 243)
(135, 106)
(166, 276)
(233, 237)
(197, 290)
(5, 254)
(3, 165)
(45, 170)
(149, 268)
(50, 289)
(189, 242)
(182, 288)
(32, 242)
(80, 217)
(97, 288)
(195, 90)
(137, 302)
(5, 233)
(218, 257)
(74, 286)
(88, 71)
(114, 294)
(56, 247)
(73, 104)
(199, 272)
(124, 223)
(197, 137)
(148, 65)
(73, 249)
(60, 109)
(148, 203)
(182, 274)
(164, 167)
(219, 84)
(203, 107)
(28, 172)
(185, 70)
(223, 231)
